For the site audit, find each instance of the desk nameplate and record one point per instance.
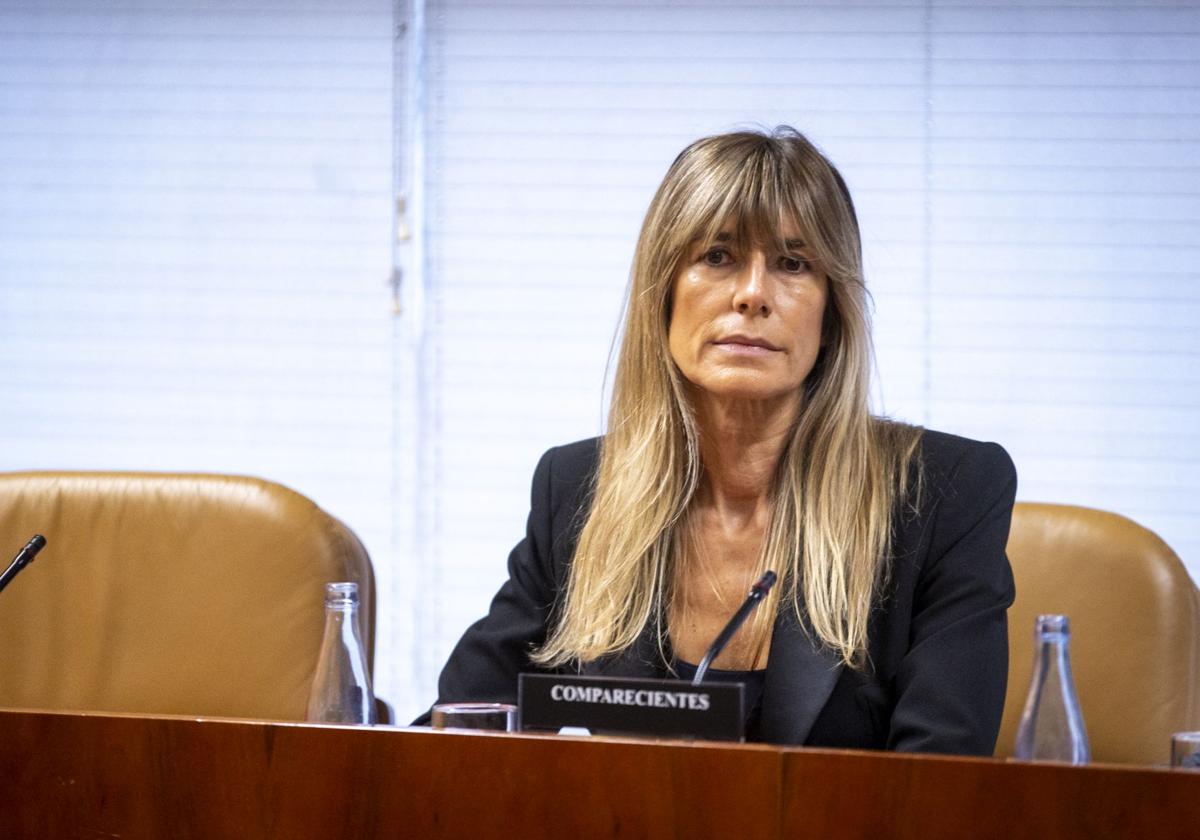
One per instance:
(664, 708)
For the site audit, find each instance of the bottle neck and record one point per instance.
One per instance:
(1052, 634)
(1053, 649)
(1052, 673)
(345, 617)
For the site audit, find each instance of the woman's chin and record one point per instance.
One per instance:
(743, 388)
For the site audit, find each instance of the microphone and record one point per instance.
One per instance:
(24, 558)
(757, 593)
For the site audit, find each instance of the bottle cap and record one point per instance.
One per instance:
(1058, 624)
(341, 594)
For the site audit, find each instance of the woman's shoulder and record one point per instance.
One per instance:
(565, 473)
(570, 466)
(578, 457)
(953, 474)
(954, 458)
(562, 489)
(928, 456)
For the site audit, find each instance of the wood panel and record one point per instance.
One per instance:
(96, 776)
(841, 793)
(128, 776)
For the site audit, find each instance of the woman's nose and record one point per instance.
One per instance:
(750, 290)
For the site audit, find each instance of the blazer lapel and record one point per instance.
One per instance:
(800, 677)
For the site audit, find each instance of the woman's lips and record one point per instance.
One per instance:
(746, 344)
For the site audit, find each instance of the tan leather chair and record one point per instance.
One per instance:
(169, 594)
(1135, 628)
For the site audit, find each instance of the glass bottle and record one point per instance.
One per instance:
(341, 689)
(1052, 724)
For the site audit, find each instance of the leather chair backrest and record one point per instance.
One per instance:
(168, 594)
(1135, 628)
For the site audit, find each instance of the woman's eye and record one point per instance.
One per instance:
(795, 265)
(716, 256)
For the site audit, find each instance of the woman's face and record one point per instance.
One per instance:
(746, 319)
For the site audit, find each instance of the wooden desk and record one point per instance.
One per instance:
(100, 776)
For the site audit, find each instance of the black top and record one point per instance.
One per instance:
(937, 642)
(752, 696)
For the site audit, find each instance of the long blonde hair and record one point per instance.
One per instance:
(838, 477)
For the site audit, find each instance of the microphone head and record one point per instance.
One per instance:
(24, 558)
(764, 584)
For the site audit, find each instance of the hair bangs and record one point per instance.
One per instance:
(755, 196)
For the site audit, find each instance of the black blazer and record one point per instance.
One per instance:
(938, 644)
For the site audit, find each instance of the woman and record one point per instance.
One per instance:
(740, 440)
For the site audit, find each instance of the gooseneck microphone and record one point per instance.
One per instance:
(24, 558)
(757, 593)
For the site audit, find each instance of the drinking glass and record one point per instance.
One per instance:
(500, 717)
(1185, 750)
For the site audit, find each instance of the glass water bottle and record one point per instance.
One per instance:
(1052, 724)
(341, 689)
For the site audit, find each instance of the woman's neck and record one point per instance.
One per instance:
(740, 447)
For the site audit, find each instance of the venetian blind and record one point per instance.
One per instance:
(195, 238)
(1027, 183)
